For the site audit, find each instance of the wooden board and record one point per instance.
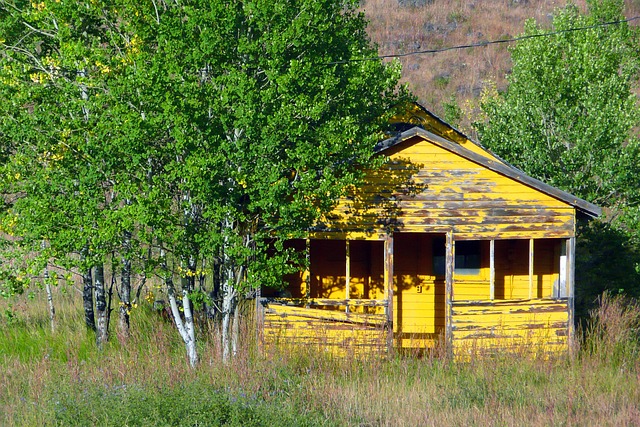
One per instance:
(426, 188)
(527, 326)
(330, 331)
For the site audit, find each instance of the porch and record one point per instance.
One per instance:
(421, 290)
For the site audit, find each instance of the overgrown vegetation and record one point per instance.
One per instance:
(139, 377)
(62, 379)
(180, 140)
(569, 117)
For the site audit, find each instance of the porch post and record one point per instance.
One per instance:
(449, 269)
(388, 289)
(307, 270)
(570, 284)
(347, 275)
(530, 268)
(492, 269)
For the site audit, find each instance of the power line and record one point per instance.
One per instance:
(482, 44)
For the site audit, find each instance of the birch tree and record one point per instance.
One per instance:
(210, 131)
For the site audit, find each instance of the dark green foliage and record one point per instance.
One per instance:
(568, 112)
(606, 259)
(452, 112)
(568, 118)
(206, 128)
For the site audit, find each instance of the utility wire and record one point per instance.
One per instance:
(482, 44)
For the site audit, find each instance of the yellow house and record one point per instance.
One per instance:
(444, 246)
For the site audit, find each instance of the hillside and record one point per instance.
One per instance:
(400, 26)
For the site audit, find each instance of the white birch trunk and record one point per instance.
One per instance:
(125, 287)
(47, 286)
(231, 278)
(52, 309)
(228, 307)
(185, 329)
(102, 324)
(235, 331)
(190, 341)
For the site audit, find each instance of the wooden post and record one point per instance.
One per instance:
(307, 271)
(492, 269)
(530, 268)
(570, 283)
(347, 275)
(449, 271)
(388, 289)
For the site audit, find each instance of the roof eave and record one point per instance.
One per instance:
(503, 168)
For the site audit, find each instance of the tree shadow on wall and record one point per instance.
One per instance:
(374, 206)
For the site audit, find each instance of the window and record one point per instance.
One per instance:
(468, 257)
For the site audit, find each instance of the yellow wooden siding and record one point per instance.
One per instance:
(328, 272)
(419, 296)
(538, 325)
(425, 188)
(423, 192)
(416, 115)
(328, 331)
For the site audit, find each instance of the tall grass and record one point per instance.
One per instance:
(62, 379)
(613, 331)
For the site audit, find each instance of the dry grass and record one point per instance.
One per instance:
(47, 375)
(400, 26)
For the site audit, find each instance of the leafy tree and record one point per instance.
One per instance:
(191, 137)
(567, 118)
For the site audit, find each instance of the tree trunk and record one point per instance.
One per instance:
(235, 330)
(47, 286)
(229, 302)
(87, 300)
(188, 283)
(125, 287)
(189, 329)
(186, 331)
(102, 324)
(232, 276)
(52, 309)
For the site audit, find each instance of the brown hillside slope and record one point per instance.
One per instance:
(400, 26)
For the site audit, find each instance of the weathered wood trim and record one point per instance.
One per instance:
(500, 167)
(307, 271)
(340, 234)
(492, 269)
(347, 273)
(531, 255)
(512, 301)
(536, 326)
(325, 302)
(571, 256)
(373, 320)
(449, 271)
(388, 289)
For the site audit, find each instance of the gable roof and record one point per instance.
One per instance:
(491, 162)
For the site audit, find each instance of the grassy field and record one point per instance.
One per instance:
(62, 379)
